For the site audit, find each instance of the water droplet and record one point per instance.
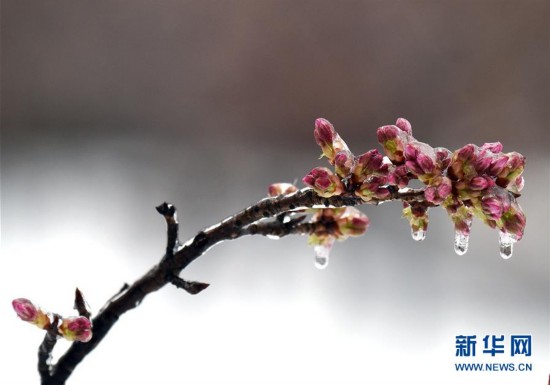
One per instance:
(506, 244)
(419, 235)
(461, 243)
(271, 236)
(286, 219)
(322, 253)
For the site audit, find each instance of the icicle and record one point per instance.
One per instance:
(506, 244)
(461, 242)
(322, 253)
(419, 235)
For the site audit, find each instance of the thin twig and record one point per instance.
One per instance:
(170, 215)
(192, 287)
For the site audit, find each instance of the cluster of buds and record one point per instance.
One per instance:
(486, 183)
(330, 224)
(335, 224)
(473, 180)
(71, 328)
(324, 182)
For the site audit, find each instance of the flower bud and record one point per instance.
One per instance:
(513, 169)
(29, 312)
(417, 215)
(492, 207)
(277, 189)
(394, 140)
(324, 132)
(461, 217)
(425, 162)
(514, 221)
(495, 147)
(76, 329)
(369, 164)
(324, 182)
(328, 139)
(421, 160)
(461, 166)
(372, 189)
(442, 157)
(498, 162)
(404, 125)
(479, 183)
(466, 152)
(482, 163)
(343, 163)
(438, 191)
(398, 176)
(352, 223)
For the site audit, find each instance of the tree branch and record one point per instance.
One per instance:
(173, 262)
(45, 349)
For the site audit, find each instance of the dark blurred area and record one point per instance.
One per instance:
(111, 107)
(261, 71)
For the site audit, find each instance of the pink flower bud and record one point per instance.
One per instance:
(76, 329)
(482, 163)
(404, 125)
(414, 167)
(445, 188)
(343, 163)
(495, 147)
(394, 140)
(369, 164)
(29, 312)
(411, 152)
(352, 223)
(421, 160)
(461, 217)
(479, 183)
(442, 157)
(497, 164)
(462, 163)
(425, 162)
(324, 132)
(513, 169)
(514, 221)
(466, 152)
(324, 182)
(439, 190)
(329, 140)
(277, 189)
(430, 194)
(398, 176)
(492, 207)
(372, 189)
(386, 133)
(417, 215)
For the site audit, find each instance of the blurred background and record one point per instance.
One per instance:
(110, 108)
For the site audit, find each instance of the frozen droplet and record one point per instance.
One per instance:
(461, 243)
(322, 253)
(419, 235)
(271, 236)
(506, 244)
